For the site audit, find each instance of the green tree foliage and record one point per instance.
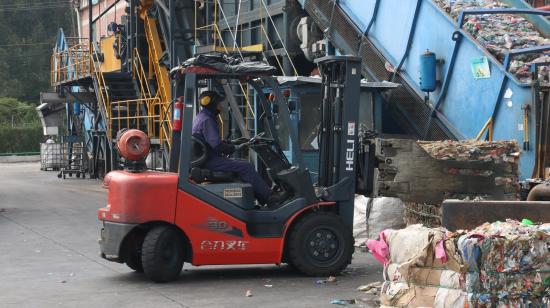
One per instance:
(14, 113)
(20, 139)
(27, 36)
(20, 129)
(28, 29)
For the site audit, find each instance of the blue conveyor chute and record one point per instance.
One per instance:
(395, 33)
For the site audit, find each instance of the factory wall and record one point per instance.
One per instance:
(114, 15)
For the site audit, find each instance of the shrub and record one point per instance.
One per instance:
(20, 139)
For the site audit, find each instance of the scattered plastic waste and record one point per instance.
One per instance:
(330, 279)
(500, 33)
(371, 286)
(342, 302)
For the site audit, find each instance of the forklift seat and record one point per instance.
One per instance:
(198, 159)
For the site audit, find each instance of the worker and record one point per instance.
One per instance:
(205, 127)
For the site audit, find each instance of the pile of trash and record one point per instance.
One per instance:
(473, 150)
(503, 154)
(500, 33)
(503, 264)
(422, 213)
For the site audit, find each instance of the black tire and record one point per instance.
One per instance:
(320, 244)
(132, 253)
(162, 254)
(134, 262)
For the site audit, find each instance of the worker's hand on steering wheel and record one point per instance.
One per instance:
(241, 147)
(238, 141)
(260, 138)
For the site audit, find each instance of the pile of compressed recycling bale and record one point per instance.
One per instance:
(469, 150)
(504, 154)
(500, 33)
(503, 264)
(498, 152)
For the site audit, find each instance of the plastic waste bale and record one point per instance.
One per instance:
(503, 154)
(422, 268)
(509, 263)
(503, 264)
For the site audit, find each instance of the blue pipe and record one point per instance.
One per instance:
(409, 40)
(457, 37)
(535, 66)
(505, 79)
(373, 18)
(523, 51)
(371, 23)
(463, 14)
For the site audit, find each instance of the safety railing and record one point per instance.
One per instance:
(162, 108)
(102, 93)
(214, 32)
(134, 114)
(155, 128)
(249, 108)
(70, 64)
(140, 75)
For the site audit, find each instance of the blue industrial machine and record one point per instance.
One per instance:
(413, 43)
(392, 36)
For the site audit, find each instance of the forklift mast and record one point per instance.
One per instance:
(338, 134)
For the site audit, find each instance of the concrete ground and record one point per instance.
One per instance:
(49, 258)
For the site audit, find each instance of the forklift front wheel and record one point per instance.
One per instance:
(320, 244)
(162, 254)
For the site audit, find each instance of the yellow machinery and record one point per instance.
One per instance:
(130, 77)
(138, 100)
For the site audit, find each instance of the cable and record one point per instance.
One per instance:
(280, 38)
(11, 5)
(237, 25)
(25, 44)
(37, 6)
(233, 36)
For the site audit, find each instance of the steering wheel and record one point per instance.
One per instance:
(198, 152)
(259, 138)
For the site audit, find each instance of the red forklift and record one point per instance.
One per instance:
(155, 221)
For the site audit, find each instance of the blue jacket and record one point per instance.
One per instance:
(206, 126)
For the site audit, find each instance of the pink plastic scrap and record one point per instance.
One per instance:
(440, 253)
(379, 248)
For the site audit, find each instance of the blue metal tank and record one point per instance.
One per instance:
(428, 75)
(76, 109)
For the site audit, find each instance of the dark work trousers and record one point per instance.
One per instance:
(246, 172)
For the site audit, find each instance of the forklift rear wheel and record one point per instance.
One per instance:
(134, 262)
(320, 244)
(162, 254)
(131, 251)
